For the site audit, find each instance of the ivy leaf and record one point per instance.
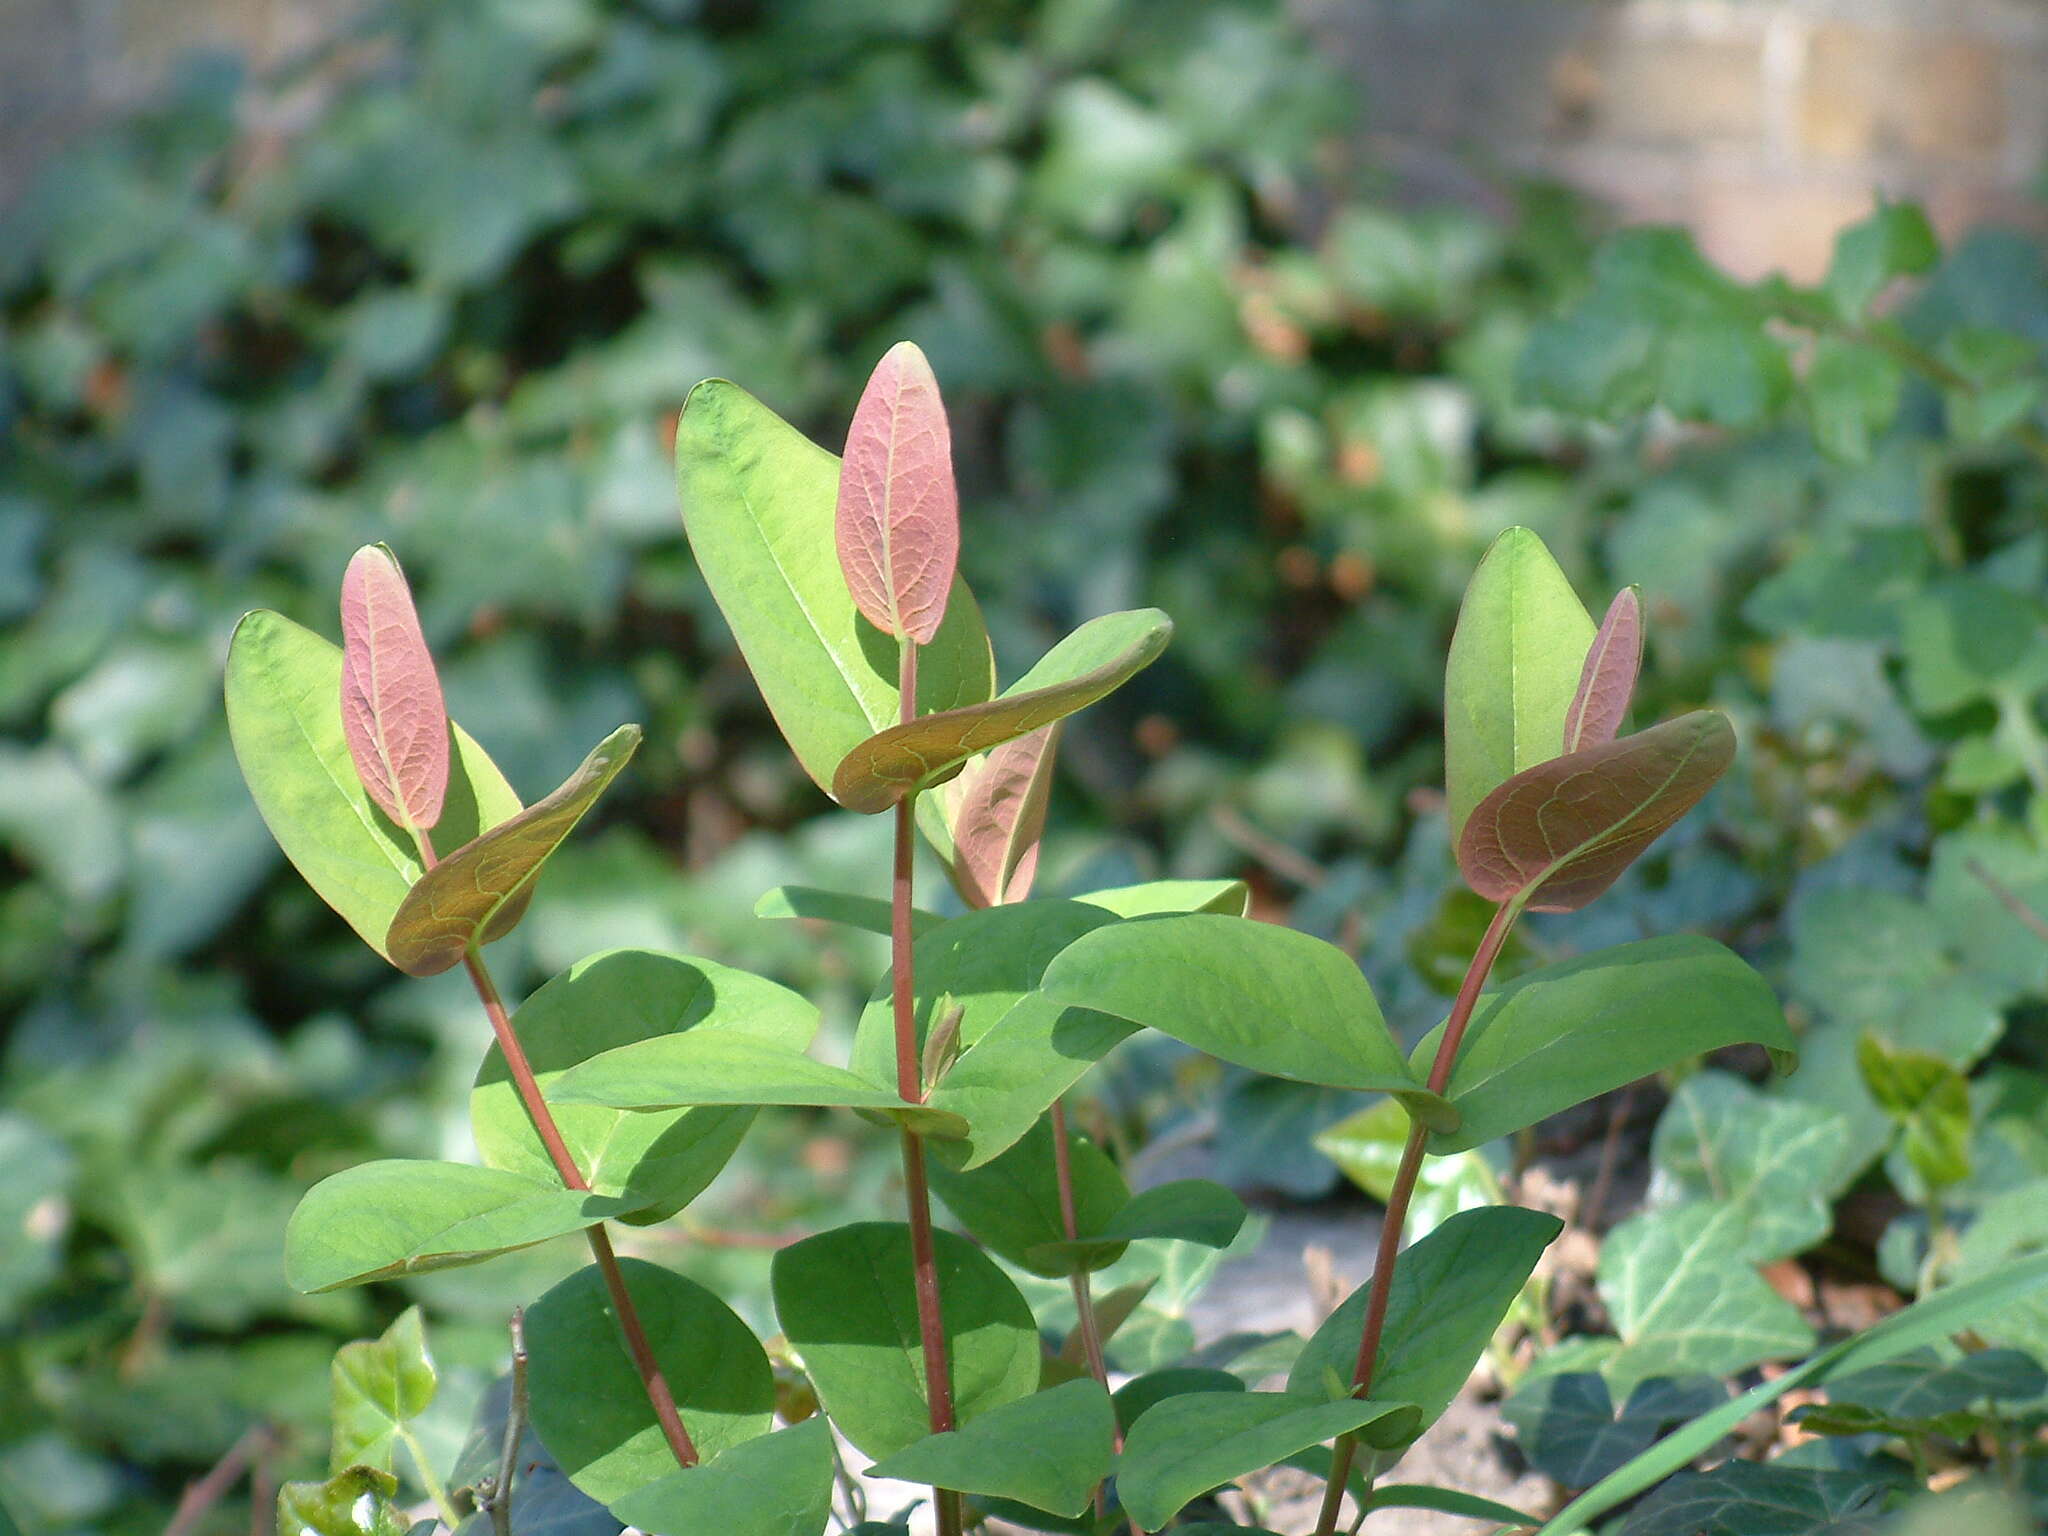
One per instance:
(1608, 680)
(996, 809)
(588, 1405)
(1746, 1498)
(1091, 663)
(401, 1217)
(770, 1485)
(1568, 1427)
(846, 1301)
(1049, 1450)
(1925, 1386)
(1773, 1161)
(284, 714)
(1513, 670)
(354, 1502)
(1930, 1101)
(897, 522)
(380, 1386)
(1555, 836)
(759, 505)
(479, 892)
(391, 707)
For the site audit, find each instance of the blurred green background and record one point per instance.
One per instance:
(445, 280)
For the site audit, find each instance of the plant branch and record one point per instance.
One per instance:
(2009, 899)
(515, 1425)
(1084, 1303)
(1396, 1219)
(201, 1495)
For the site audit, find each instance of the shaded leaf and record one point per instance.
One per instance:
(1608, 680)
(1049, 1450)
(1012, 1202)
(897, 518)
(1186, 1210)
(478, 892)
(1743, 1498)
(776, 1484)
(996, 809)
(1567, 1425)
(1772, 1161)
(870, 914)
(391, 709)
(1555, 836)
(1924, 1386)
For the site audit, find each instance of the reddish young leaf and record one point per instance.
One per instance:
(1559, 834)
(391, 709)
(1608, 680)
(898, 519)
(998, 816)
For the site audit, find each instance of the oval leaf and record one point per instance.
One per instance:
(1092, 662)
(1555, 836)
(1570, 1032)
(758, 503)
(1012, 1203)
(1181, 1448)
(1187, 1210)
(391, 707)
(284, 714)
(1049, 1450)
(660, 1161)
(726, 1066)
(996, 811)
(1608, 680)
(401, 1217)
(847, 1303)
(1513, 668)
(1261, 996)
(897, 523)
(477, 893)
(587, 1403)
(771, 1485)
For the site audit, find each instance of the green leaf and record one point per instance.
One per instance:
(897, 517)
(284, 713)
(34, 1207)
(1444, 1501)
(1773, 1160)
(355, 1502)
(1049, 1450)
(772, 1485)
(847, 1303)
(1186, 1210)
(727, 1066)
(658, 1162)
(380, 1386)
(1261, 996)
(1741, 1498)
(1929, 1099)
(1181, 1448)
(1012, 1203)
(1852, 396)
(1570, 1032)
(1567, 1426)
(1925, 1386)
(1449, 1294)
(1514, 666)
(1135, 1396)
(586, 1399)
(1927, 1321)
(758, 503)
(1968, 639)
(1367, 1146)
(1094, 661)
(867, 913)
(478, 892)
(1895, 241)
(1557, 835)
(1230, 897)
(398, 1217)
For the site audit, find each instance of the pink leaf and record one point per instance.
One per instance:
(391, 709)
(1608, 680)
(999, 817)
(1557, 835)
(898, 520)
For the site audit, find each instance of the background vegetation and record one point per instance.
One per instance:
(1196, 358)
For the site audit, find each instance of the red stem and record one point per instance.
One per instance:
(1405, 1176)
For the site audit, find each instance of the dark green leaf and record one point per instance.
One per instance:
(772, 1485)
(1012, 1203)
(1567, 1425)
(1049, 1450)
(868, 913)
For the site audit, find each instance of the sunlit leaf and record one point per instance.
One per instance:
(771, 1485)
(380, 1386)
(1930, 1101)
(391, 708)
(897, 521)
(1048, 1450)
(1608, 680)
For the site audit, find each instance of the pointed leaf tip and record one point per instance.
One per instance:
(898, 518)
(1608, 680)
(391, 707)
(998, 817)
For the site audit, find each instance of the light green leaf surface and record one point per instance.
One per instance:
(1771, 1161)
(772, 1485)
(1048, 1450)
(867, 913)
(1230, 897)
(380, 1386)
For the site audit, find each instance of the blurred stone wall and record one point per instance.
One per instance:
(1763, 124)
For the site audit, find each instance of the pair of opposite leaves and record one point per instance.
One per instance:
(1548, 802)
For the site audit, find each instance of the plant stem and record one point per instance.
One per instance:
(637, 1346)
(1404, 1188)
(515, 1425)
(1084, 1303)
(931, 1327)
(200, 1497)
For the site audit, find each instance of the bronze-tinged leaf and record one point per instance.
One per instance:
(1608, 680)
(478, 892)
(391, 708)
(1557, 835)
(898, 517)
(997, 811)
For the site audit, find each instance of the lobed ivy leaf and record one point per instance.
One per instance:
(1555, 836)
(897, 520)
(354, 1502)
(1568, 1427)
(996, 812)
(1049, 1450)
(1745, 1498)
(391, 707)
(585, 1395)
(1924, 1385)
(1608, 680)
(1773, 1160)
(1513, 670)
(772, 1485)
(401, 1217)
(479, 892)
(380, 1386)
(846, 1302)
(759, 505)
(284, 715)
(1089, 664)
(1930, 1102)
